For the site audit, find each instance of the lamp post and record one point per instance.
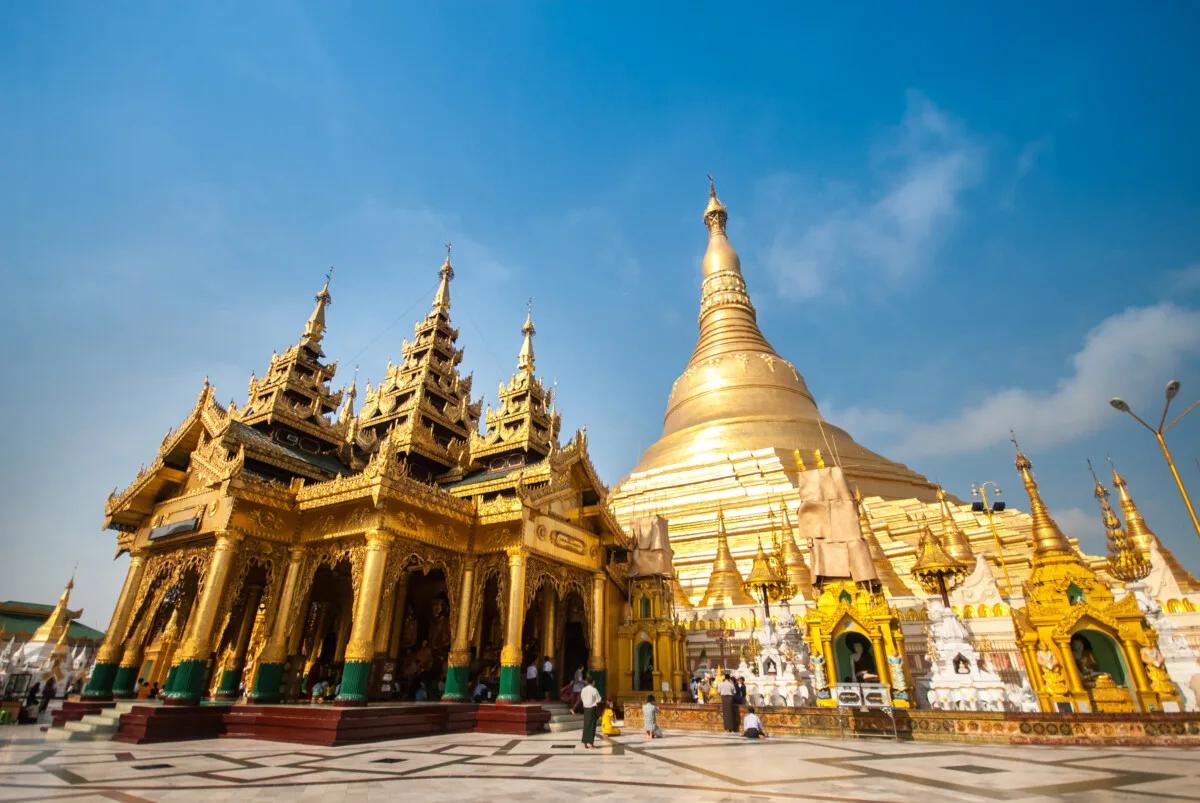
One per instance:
(1172, 391)
(980, 491)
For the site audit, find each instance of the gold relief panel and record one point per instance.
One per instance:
(562, 542)
(497, 539)
(264, 522)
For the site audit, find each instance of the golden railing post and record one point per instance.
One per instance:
(510, 655)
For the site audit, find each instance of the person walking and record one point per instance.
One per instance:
(531, 681)
(48, 693)
(547, 677)
(754, 726)
(741, 690)
(729, 712)
(590, 697)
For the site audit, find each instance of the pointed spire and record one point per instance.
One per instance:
(799, 574)
(760, 570)
(525, 356)
(351, 394)
(725, 587)
(1048, 539)
(1143, 538)
(953, 538)
(715, 214)
(441, 299)
(1125, 561)
(883, 567)
(314, 330)
(59, 617)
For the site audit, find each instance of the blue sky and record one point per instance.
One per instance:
(954, 222)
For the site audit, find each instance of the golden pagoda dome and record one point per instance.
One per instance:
(737, 394)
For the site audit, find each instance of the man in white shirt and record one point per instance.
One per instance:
(729, 711)
(590, 698)
(754, 726)
(531, 681)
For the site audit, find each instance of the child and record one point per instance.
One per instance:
(650, 718)
(607, 728)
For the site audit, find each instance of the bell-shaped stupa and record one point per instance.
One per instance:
(734, 418)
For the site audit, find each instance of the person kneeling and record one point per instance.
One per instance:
(754, 726)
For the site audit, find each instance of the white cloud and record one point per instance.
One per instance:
(1184, 280)
(1128, 355)
(1082, 524)
(1026, 161)
(886, 232)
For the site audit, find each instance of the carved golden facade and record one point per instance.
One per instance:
(1084, 649)
(292, 541)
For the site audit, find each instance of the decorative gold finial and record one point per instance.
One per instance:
(818, 458)
(1048, 539)
(525, 356)
(1125, 561)
(314, 329)
(799, 460)
(441, 299)
(936, 570)
(715, 214)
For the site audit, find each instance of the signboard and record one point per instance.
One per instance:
(719, 633)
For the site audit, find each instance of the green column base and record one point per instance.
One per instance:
(227, 689)
(170, 681)
(100, 684)
(125, 683)
(510, 685)
(355, 676)
(267, 684)
(456, 684)
(188, 684)
(598, 681)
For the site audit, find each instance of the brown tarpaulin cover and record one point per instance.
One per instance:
(651, 548)
(829, 517)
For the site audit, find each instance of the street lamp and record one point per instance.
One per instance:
(980, 492)
(1172, 391)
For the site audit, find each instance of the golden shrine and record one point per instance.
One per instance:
(293, 543)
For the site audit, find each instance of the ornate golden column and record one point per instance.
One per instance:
(510, 656)
(1074, 682)
(1141, 679)
(458, 665)
(360, 651)
(550, 624)
(268, 679)
(599, 587)
(190, 665)
(100, 684)
(231, 675)
(399, 603)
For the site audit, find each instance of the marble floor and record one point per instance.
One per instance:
(699, 767)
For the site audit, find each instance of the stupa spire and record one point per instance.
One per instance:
(1048, 539)
(1125, 561)
(793, 560)
(1143, 538)
(441, 299)
(61, 616)
(525, 355)
(314, 329)
(953, 539)
(888, 578)
(725, 586)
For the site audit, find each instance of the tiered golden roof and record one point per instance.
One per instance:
(725, 586)
(293, 399)
(525, 426)
(1142, 537)
(423, 401)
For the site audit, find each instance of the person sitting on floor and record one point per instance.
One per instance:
(753, 725)
(607, 721)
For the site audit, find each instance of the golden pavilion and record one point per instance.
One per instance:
(293, 540)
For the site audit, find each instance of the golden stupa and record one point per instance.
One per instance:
(734, 418)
